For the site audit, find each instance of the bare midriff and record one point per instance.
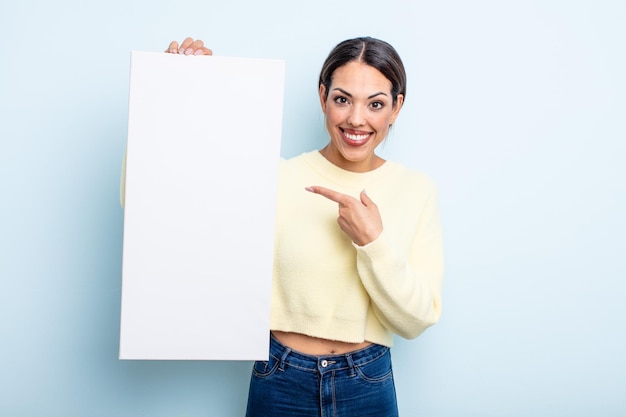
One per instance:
(316, 346)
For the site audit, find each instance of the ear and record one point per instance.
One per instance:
(396, 108)
(323, 97)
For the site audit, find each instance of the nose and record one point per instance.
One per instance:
(356, 116)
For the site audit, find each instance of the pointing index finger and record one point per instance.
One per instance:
(332, 195)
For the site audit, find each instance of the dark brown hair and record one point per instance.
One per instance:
(373, 52)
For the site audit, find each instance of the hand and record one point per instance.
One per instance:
(189, 47)
(359, 219)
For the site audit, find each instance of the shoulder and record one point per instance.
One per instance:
(293, 172)
(409, 178)
(296, 164)
(297, 160)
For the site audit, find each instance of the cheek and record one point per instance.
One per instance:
(334, 116)
(382, 121)
(330, 122)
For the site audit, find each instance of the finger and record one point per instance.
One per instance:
(195, 45)
(172, 48)
(332, 195)
(186, 44)
(203, 51)
(365, 199)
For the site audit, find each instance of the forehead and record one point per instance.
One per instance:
(357, 77)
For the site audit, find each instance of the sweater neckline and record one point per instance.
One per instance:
(341, 176)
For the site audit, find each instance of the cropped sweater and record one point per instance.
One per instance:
(326, 286)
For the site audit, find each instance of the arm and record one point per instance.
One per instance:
(405, 290)
(406, 293)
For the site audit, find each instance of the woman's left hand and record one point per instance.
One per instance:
(359, 219)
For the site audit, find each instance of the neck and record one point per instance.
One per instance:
(337, 159)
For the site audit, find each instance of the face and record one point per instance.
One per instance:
(359, 110)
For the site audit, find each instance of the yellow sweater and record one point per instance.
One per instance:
(326, 286)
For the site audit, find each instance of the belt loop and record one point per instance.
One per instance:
(281, 365)
(350, 364)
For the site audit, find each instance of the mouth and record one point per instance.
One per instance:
(355, 137)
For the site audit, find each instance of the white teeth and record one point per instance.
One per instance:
(356, 137)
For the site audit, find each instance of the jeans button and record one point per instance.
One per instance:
(324, 363)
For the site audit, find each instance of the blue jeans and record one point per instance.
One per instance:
(355, 384)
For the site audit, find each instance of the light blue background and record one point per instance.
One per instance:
(516, 108)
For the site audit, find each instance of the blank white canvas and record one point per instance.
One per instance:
(202, 171)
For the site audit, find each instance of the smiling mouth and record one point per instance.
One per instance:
(355, 138)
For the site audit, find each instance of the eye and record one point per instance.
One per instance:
(341, 100)
(377, 105)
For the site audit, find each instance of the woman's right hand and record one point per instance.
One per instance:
(189, 47)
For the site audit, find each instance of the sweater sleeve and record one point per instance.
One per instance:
(406, 293)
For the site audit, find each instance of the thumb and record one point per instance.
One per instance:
(365, 199)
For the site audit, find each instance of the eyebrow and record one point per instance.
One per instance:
(350, 95)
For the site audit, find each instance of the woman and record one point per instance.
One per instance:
(352, 267)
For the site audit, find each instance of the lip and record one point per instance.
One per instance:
(355, 137)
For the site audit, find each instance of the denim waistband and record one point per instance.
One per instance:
(324, 363)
